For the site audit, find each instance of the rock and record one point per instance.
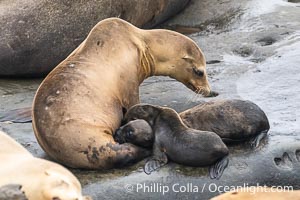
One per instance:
(206, 15)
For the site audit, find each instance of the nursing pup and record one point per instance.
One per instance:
(173, 140)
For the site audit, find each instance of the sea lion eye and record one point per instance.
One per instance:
(129, 133)
(198, 72)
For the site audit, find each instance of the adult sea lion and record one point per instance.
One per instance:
(233, 120)
(39, 179)
(81, 102)
(175, 141)
(36, 35)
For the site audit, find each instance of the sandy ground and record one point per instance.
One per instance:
(257, 46)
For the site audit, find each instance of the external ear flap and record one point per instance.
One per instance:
(50, 172)
(60, 182)
(188, 58)
(47, 172)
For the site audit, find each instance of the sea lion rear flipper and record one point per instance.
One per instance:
(12, 192)
(158, 160)
(216, 170)
(258, 138)
(21, 115)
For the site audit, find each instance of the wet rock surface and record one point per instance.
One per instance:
(255, 57)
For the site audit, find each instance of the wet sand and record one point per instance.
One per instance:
(258, 54)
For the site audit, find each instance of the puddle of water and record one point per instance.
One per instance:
(235, 60)
(260, 7)
(279, 79)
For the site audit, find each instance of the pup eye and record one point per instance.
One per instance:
(198, 72)
(129, 133)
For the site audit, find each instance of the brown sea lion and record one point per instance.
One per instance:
(233, 120)
(175, 141)
(81, 102)
(259, 194)
(40, 179)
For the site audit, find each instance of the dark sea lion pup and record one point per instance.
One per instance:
(175, 141)
(137, 132)
(233, 120)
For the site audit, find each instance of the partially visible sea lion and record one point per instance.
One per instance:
(259, 194)
(81, 102)
(40, 179)
(175, 141)
(36, 35)
(233, 120)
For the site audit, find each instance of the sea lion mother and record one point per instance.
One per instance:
(81, 102)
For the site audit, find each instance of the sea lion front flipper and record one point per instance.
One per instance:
(21, 115)
(158, 160)
(216, 170)
(258, 138)
(12, 192)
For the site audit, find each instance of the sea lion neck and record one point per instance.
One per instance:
(147, 65)
(156, 49)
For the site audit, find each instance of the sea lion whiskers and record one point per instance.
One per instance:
(189, 100)
(198, 94)
(195, 96)
(202, 91)
(81, 62)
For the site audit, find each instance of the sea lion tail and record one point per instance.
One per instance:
(216, 170)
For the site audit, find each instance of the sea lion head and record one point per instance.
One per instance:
(137, 132)
(58, 185)
(146, 112)
(180, 58)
